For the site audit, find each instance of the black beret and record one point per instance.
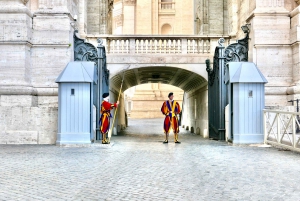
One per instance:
(170, 94)
(105, 95)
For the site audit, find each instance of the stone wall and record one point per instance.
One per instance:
(270, 44)
(36, 43)
(147, 99)
(195, 112)
(99, 16)
(36, 40)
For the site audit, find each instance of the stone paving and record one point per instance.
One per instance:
(139, 167)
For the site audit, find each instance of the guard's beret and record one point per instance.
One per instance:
(170, 94)
(105, 95)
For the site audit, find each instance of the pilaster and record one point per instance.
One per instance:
(82, 18)
(295, 41)
(53, 28)
(216, 17)
(99, 16)
(270, 46)
(129, 22)
(15, 46)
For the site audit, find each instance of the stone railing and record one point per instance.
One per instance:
(167, 5)
(282, 129)
(137, 44)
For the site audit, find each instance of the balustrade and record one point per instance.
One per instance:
(167, 5)
(157, 45)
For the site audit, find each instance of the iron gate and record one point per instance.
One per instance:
(84, 51)
(217, 91)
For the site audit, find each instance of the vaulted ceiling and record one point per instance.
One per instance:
(184, 79)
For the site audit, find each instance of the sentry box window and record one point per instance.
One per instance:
(73, 92)
(250, 94)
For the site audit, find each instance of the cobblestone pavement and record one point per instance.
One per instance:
(139, 167)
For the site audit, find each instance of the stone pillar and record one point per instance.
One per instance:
(129, 16)
(82, 18)
(53, 26)
(16, 91)
(294, 90)
(201, 17)
(99, 16)
(232, 16)
(118, 14)
(35, 49)
(216, 17)
(15, 46)
(269, 46)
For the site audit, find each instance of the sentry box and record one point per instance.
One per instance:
(246, 97)
(75, 103)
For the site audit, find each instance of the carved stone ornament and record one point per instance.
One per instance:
(24, 1)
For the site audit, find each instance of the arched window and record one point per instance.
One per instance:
(166, 29)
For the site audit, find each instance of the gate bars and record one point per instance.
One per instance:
(217, 91)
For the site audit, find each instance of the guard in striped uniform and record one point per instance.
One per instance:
(171, 109)
(104, 121)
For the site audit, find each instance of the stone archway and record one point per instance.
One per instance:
(193, 84)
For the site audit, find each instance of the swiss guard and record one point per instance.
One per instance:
(171, 109)
(104, 121)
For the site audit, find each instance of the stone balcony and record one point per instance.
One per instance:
(158, 44)
(187, 52)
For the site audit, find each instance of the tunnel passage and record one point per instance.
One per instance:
(194, 106)
(182, 78)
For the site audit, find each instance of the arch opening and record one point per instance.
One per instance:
(189, 88)
(182, 78)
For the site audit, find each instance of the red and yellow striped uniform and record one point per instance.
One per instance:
(171, 109)
(105, 116)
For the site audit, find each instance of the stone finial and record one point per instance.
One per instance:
(221, 42)
(24, 1)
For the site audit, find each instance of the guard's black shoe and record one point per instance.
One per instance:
(177, 142)
(166, 141)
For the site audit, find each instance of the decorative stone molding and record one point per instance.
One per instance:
(119, 20)
(24, 1)
(277, 3)
(129, 2)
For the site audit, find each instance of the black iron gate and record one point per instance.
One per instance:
(217, 91)
(84, 51)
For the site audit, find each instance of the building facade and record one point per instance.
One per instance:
(36, 43)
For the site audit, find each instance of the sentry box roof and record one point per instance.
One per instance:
(78, 71)
(243, 72)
